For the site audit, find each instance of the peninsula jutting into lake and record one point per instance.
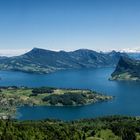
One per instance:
(13, 97)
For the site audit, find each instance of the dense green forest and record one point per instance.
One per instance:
(106, 128)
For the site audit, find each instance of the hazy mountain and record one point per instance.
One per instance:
(127, 69)
(45, 61)
(134, 55)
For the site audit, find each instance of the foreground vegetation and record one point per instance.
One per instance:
(13, 97)
(107, 128)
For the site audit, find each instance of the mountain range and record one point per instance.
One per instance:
(45, 61)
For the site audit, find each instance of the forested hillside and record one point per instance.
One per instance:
(107, 128)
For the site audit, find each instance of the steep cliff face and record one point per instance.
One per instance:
(127, 69)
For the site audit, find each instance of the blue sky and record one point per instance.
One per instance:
(69, 24)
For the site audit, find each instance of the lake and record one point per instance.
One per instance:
(126, 101)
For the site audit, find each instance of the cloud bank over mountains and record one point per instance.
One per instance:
(131, 50)
(16, 52)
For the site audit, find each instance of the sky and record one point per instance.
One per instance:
(100, 25)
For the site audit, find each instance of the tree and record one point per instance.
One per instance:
(128, 134)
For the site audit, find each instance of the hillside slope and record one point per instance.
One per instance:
(46, 61)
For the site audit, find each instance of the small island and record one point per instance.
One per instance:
(13, 97)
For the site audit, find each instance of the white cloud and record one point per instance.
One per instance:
(12, 52)
(16, 52)
(131, 50)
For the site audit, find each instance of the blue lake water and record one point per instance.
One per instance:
(126, 101)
